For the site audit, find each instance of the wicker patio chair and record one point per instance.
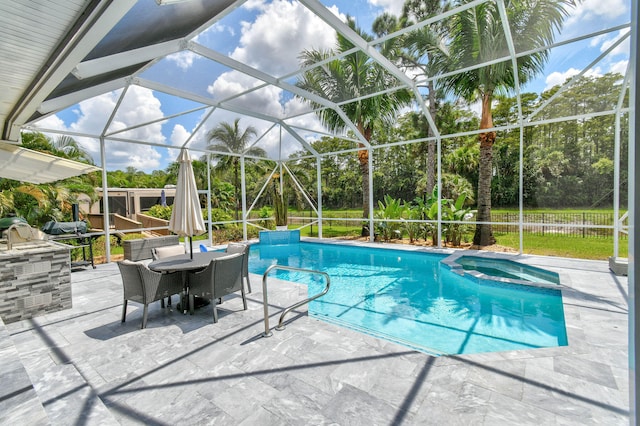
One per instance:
(142, 285)
(223, 276)
(244, 249)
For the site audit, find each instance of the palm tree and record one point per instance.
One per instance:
(233, 140)
(63, 146)
(72, 149)
(350, 77)
(477, 37)
(426, 51)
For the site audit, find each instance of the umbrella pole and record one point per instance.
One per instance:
(191, 247)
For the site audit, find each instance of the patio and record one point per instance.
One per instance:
(88, 368)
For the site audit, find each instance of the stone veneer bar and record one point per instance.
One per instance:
(35, 279)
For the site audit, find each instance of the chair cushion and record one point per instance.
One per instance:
(162, 252)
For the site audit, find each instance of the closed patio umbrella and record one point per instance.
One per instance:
(186, 217)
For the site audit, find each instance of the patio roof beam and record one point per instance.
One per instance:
(252, 72)
(157, 120)
(121, 60)
(198, 127)
(324, 133)
(56, 104)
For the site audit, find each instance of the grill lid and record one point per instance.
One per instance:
(6, 222)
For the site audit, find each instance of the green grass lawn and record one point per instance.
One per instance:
(558, 245)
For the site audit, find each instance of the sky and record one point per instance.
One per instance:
(268, 36)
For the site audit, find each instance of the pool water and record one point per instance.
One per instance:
(409, 298)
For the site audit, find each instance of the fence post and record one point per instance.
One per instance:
(583, 229)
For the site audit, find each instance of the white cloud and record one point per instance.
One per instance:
(139, 106)
(621, 49)
(619, 67)
(231, 83)
(52, 122)
(254, 4)
(179, 135)
(184, 60)
(274, 40)
(558, 78)
(594, 10)
(392, 6)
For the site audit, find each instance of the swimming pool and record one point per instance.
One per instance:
(410, 298)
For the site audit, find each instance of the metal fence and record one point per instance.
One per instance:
(579, 225)
(584, 225)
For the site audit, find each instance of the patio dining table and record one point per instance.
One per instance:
(184, 263)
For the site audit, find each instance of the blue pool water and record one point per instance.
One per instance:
(409, 298)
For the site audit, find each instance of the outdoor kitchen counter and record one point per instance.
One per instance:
(35, 279)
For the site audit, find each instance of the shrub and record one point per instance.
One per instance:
(160, 212)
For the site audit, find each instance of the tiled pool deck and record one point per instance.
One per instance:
(88, 368)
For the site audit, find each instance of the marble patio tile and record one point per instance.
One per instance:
(443, 406)
(583, 369)
(263, 417)
(359, 375)
(504, 377)
(295, 346)
(123, 366)
(319, 375)
(352, 406)
(241, 399)
(309, 395)
(217, 380)
(262, 359)
(503, 410)
(68, 399)
(23, 408)
(556, 401)
(296, 408)
(402, 393)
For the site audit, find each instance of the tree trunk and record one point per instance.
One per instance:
(363, 161)
(484, 234)
(235, 170)
(431, 151)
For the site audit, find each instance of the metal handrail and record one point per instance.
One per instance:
(267, 330)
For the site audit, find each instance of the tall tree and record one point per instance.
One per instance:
(477, 37)
(351, 77)
(62, 146)
(231, 138)
(426, 50)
